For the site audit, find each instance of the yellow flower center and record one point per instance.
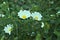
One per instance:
(36, 18)
(10, 29)
(24, 16)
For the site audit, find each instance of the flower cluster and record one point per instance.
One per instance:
(24, 14)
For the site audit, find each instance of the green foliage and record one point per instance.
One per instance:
(23, 28)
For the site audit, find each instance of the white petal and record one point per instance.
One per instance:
(42, 25)
(9, 33)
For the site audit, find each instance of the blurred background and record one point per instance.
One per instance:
(30, 29)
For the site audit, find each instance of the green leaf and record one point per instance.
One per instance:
(38, 36)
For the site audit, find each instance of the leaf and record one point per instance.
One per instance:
(2, 38)
(57, 33)
(38, 36)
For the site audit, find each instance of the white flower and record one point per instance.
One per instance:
(42, 25)
(4, 2)
(24, 14)
(36, 16)
(52, 15)
(8, 29)
(2, 15)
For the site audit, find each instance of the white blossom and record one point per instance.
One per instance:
(36, 16)
(23, 14)
(8, 28)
